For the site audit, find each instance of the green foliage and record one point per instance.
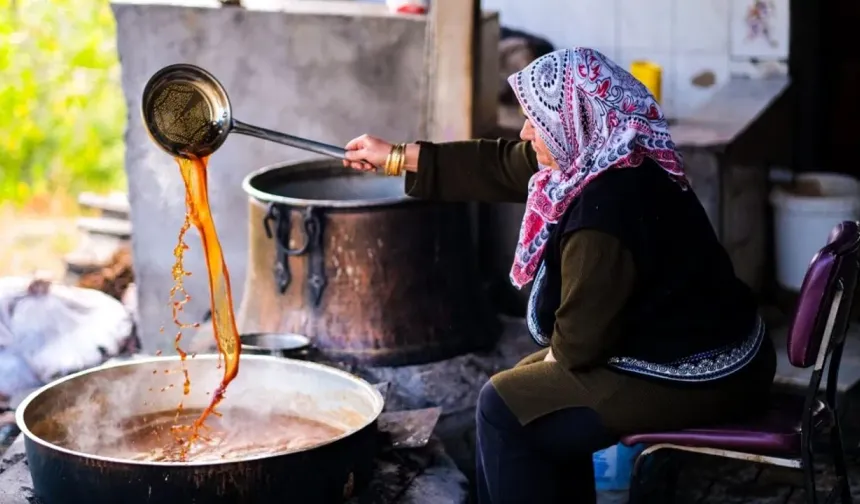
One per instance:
(62, 111)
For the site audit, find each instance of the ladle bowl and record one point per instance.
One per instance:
(187, 113)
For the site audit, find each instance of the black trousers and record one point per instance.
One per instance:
(547, 461)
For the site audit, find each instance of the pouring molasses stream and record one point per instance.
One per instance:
(188, 114)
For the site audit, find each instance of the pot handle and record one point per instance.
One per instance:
(278, 216)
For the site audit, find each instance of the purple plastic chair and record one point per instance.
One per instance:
(783, 436)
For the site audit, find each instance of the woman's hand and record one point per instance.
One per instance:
(365, 153)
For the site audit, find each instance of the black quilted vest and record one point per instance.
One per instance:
(687, 303)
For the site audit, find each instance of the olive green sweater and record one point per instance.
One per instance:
(598, 276)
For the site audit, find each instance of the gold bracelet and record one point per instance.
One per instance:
(390, 160)
(402, 162)
(387, 166)
(395, 161)
(389, 163)
(398, 161)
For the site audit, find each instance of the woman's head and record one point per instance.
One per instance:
(584, 115)
(583, 111)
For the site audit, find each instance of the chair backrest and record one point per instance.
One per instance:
(826, 297)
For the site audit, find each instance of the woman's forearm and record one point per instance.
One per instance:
(413, 151)
(490, 171)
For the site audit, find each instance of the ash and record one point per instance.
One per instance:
(453, 385)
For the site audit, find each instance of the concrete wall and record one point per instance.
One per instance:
(324, 70)
(699, 43)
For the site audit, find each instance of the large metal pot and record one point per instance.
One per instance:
(85, 409)
(369, 274)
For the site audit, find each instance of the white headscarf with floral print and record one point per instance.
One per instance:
(593, 116)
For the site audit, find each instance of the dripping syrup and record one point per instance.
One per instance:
(198, 214)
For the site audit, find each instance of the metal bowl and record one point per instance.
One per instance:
(289, 345)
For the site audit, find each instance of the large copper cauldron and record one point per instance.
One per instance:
(67, 424)
(369, 274)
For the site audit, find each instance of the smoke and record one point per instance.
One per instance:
(100, 406)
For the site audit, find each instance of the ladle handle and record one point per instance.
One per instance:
(292, 141)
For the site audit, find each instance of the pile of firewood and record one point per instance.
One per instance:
(114, 278)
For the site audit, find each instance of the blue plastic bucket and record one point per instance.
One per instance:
(613, 466)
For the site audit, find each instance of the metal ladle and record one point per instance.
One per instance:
(187, 113)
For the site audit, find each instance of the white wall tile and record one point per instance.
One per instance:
(645, 24)
(566, 24)
(519, 15)
(667, 62)
(688, 38)
(701, 25)
(745, 44)
(588, 23)
(690, 95)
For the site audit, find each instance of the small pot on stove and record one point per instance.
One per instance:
(286, 345)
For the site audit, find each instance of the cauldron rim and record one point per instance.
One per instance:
(378, 405)
(315, 165)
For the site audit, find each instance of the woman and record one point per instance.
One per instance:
(646, 324)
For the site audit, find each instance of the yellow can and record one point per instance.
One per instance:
(650, 74)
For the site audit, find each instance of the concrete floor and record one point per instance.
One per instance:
(705, 480)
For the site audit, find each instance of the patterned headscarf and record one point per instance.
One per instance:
(593, 116)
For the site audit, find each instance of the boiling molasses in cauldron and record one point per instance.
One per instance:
(239, 433)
